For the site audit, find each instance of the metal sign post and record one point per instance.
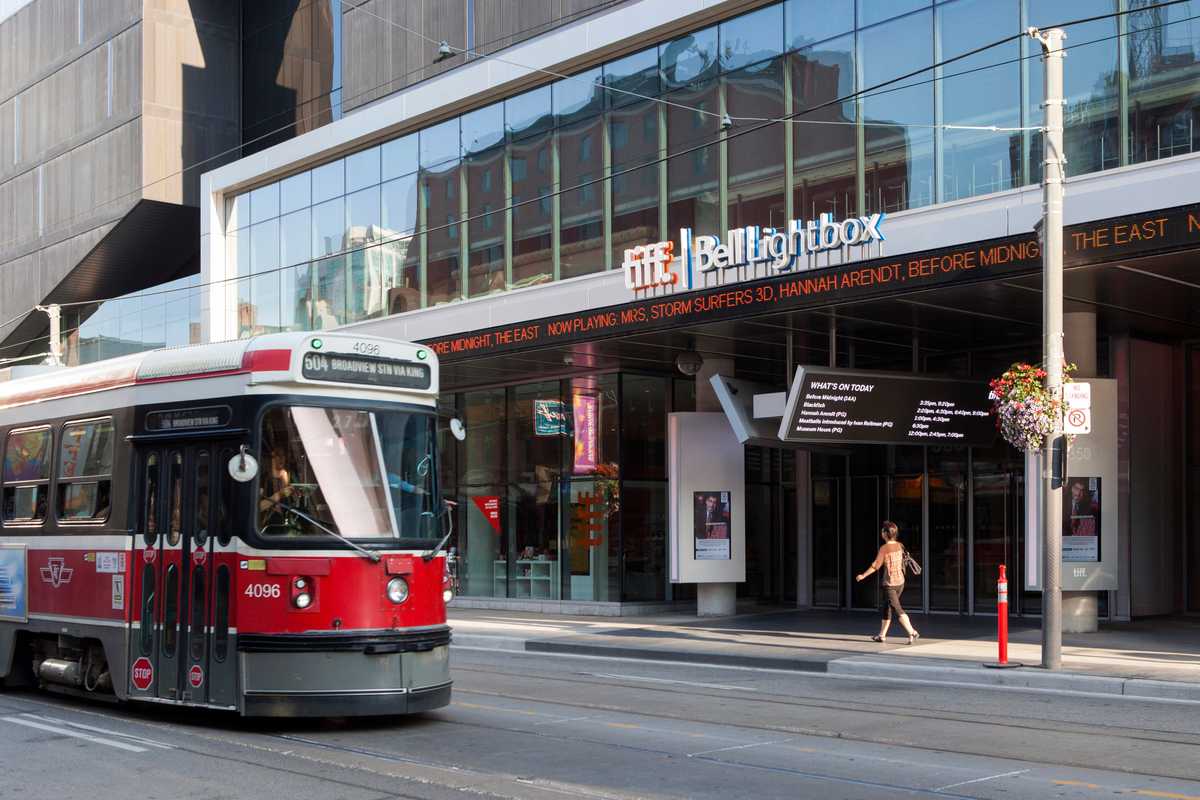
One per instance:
(1052, 321)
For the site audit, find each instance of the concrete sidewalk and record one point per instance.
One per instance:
(1150, 659)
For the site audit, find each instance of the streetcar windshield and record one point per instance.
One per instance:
(364, 474)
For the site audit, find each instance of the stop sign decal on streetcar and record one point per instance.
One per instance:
(142, 674)
(196, 676)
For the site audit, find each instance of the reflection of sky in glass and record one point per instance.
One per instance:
(400, 157)
(988, 96)
(752, 37)
(578, 96)
(690, 57)
(872, 11)
(633, 73)
(483, 128)
(529, 112)
(817, 20)
(889, 51)
(440, 144)
(1091, 67)
(362, 169)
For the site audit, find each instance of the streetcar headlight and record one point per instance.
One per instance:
(397, 590)
(447, 594)
(302, 592)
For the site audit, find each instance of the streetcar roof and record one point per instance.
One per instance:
(270, 358)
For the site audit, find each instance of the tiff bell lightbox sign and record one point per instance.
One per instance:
(838, 406)
(652, 265)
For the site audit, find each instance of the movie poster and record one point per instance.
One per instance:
(711, 526)
(1081, 520)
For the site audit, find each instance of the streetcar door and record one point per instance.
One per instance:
(145, 591)
(220, 679)
(173, 563)
(207, 665)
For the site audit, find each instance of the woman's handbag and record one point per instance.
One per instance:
(910, 563)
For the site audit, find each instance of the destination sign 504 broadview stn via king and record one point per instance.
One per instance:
(648, 266)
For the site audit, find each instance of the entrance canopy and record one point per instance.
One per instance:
(941, 316)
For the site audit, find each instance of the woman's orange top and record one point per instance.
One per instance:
(890, 561)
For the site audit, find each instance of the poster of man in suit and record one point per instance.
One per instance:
(1081, 520)
(711, 525)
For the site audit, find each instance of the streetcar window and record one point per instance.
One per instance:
(85, 471)
(197, 627)
(200, 529)
(175, 500)
(363, 474)
(170, 629)
(221, 615)
(27, 475)
(150, 503)
(148, 576)
(224, 500)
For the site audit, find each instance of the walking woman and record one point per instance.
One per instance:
(890, 562)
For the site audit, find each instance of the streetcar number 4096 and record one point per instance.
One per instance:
(263, 590)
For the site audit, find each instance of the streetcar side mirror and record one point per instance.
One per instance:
(243, 467)
(457, 429)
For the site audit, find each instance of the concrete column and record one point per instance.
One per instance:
(716, 599)
(713, 599)
(1080, 610)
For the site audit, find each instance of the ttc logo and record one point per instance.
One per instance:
(55, 574)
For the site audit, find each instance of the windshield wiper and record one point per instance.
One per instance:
(371, 554)
(433, 551)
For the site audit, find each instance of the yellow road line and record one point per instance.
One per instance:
(1142, 792)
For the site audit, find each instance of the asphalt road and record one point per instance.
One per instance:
(542, 726)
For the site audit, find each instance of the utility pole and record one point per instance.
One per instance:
(1052, 345)
(55, 313)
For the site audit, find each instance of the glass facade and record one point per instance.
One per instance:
(167, 315)
(556, 182)
(562, 488)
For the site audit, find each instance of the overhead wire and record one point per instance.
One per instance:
(725, 136)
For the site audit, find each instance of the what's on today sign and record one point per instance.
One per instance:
(652, 265)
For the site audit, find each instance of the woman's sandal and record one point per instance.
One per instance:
(914, 637)
(878, 638)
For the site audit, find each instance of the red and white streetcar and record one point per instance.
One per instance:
(251, 525)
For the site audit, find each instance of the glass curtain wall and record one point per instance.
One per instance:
(558, 181)
(582, 167)
(688, 68)
(753, 64)
(1091, 86)
(1162, 56)
(545, 509)
(483, 146)
(529, 119)
(636, 126)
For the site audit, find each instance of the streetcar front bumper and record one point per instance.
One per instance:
(360, 673)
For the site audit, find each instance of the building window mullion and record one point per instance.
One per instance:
(555, 206)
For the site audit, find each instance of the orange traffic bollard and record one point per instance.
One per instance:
(1002, 622)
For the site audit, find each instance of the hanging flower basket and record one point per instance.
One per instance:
(1023, 407)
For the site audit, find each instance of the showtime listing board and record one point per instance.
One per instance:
(835, 406)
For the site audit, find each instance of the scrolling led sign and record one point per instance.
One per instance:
(366, 370)
(833, 406)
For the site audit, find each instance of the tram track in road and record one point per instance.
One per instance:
(1020, 742)
(989, 718)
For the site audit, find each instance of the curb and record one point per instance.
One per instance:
(483, 641)
(850, 666)
(812, 664)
